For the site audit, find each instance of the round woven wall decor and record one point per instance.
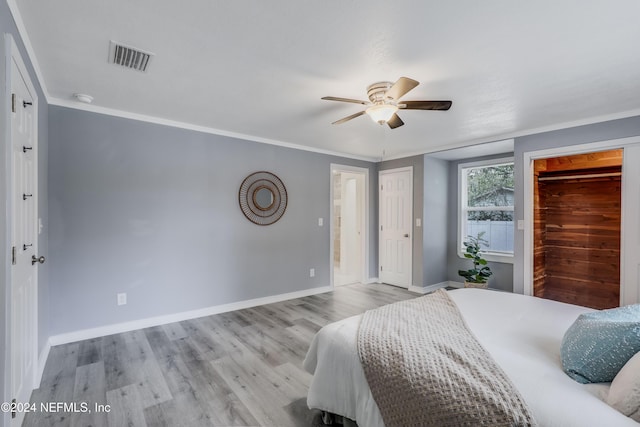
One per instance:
(263, 198)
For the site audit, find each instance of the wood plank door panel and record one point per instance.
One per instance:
(581, 241)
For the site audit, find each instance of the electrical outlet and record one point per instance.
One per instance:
(122, 299)
(312, 272)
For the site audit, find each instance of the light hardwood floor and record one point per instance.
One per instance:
(242, 368)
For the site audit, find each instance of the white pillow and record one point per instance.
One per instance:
(624, 394)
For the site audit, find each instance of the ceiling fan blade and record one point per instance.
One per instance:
(426, 105)
(355, 101)
(346, 119)
(395, 122)
(401, 87)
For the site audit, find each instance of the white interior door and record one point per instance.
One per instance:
(349, 269)
(396, 219)
(349, 224)
(24, 235)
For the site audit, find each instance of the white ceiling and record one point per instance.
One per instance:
(259, 68)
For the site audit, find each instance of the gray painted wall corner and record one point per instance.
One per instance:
(435, 218)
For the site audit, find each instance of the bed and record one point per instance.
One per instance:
(523, 334)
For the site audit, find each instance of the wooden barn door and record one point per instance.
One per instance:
(577, 229)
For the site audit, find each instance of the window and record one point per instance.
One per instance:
(486, 206)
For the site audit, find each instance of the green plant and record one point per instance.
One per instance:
(480, 271)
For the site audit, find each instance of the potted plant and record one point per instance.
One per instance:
(478, 275)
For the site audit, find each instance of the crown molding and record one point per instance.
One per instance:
(521, 133)
(198, 128)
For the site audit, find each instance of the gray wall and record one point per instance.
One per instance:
(613, 129)
(418, 191)
(153, 211)
(502, 277)
(7, 26)
(435, 219)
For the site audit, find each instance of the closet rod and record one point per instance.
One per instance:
(590, 175)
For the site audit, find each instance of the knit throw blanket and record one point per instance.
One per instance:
(425, 368)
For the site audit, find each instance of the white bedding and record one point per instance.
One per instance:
(523, 334)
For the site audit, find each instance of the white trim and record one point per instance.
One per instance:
(419, 290)
(198, 128)
(117, 328)
(367, 208)
(22, 30)
(454, 284)
(42, 361)
(5, 170)
(528, 158)
(521, 133)
(506, 258)
(430, 288)
(630, 238)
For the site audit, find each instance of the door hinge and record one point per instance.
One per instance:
(13, 255)
(381, 187)
(13, 408)
(13, 102)
(380, 268)
(380, 228)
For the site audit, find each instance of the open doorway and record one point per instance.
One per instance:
(348, 224)
(577, 225)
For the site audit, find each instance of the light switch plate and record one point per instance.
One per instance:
(418, 222)
(320, 222)
(521, 224)
(122, 299)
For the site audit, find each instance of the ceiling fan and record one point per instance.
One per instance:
(384, 102)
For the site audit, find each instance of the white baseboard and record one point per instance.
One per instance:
(430, 288)
(42, 360)
(117, 328)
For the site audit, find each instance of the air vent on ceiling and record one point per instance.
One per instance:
(129, 57)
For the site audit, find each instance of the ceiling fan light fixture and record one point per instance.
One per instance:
(381, 113)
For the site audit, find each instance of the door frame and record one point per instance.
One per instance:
(625, 224)
(12, 53)
(366, 200)
(411, 221)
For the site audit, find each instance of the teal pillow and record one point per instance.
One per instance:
(599, 343)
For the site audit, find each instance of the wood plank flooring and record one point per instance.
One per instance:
(242, 368)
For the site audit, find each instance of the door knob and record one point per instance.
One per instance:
(406, 235)
(34, 259)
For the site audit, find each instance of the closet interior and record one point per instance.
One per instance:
(577, 202)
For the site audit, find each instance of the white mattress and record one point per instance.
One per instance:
(523, 334)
